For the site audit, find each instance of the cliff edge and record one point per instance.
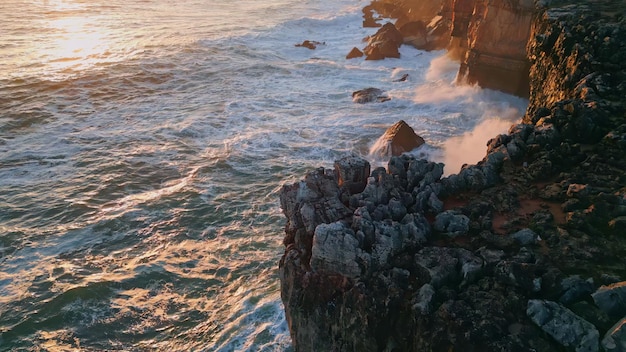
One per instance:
(521, 252)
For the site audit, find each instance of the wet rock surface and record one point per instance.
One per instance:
(522, 251)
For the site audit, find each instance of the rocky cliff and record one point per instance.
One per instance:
(521, 252)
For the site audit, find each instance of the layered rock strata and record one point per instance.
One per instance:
(523, 251)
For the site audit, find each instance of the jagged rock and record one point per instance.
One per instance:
(568, 329)
(615, 339)
(611, 298)
(369, 95)
(384, 43)
(352, 173)
(354, 53)
(308, 203)
(336, 249)
(452, 223)
(392, 238)
(448, 266)
(396, 140)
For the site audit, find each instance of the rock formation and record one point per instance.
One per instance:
(397, 139)
(488, 37)
(384, 43)
(522, 251)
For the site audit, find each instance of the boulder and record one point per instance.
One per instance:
(384, 43)
(611, 299)
(354, 53)
(397, 139)
(567, 328)
(369, 95)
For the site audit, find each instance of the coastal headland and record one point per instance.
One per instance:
(523, 251)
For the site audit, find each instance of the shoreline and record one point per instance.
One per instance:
(521, 251)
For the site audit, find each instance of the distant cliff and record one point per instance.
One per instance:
(523, 251)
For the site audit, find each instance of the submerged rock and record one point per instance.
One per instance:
(369, 95)
(309, 44)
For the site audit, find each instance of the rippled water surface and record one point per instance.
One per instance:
(143, 145)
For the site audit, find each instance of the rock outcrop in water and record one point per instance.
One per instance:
(488, 37)
(523, 251)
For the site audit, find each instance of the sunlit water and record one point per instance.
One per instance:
(143, 145)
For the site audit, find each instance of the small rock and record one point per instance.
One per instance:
(336, 249)
(354, 53)
(567, 328)
(310, 44)
(525, 237)
(403, 78)
(369, 95)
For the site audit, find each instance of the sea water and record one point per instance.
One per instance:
(143, 146)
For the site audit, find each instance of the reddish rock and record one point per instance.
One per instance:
(397, 139)
(354, 53)
(384, 43)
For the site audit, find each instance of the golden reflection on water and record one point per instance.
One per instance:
(80, 46)
(78, 40)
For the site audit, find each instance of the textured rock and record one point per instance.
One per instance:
(369, 95)
(564, 326)
(309, 44)
(384, 44)
(354, 53)
(452, 223)
(352, 173)
(380, 280)
(396, 140)
(336, 249)
(611, 298)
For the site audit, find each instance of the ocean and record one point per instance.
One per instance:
(143, 146)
